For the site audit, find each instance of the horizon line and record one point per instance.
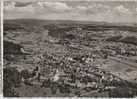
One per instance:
(69, 20)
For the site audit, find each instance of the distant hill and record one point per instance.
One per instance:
(91, 25)
(67, 22)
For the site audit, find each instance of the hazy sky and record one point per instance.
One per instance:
(87, 10)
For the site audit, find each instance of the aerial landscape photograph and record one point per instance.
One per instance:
(70, 48)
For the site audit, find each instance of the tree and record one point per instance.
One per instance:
(11, 79)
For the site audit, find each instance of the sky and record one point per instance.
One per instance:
(83, 10)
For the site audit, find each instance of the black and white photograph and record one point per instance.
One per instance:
(70, 48)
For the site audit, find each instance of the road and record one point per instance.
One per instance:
(126, 62)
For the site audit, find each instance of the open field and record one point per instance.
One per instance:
(44, 58)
